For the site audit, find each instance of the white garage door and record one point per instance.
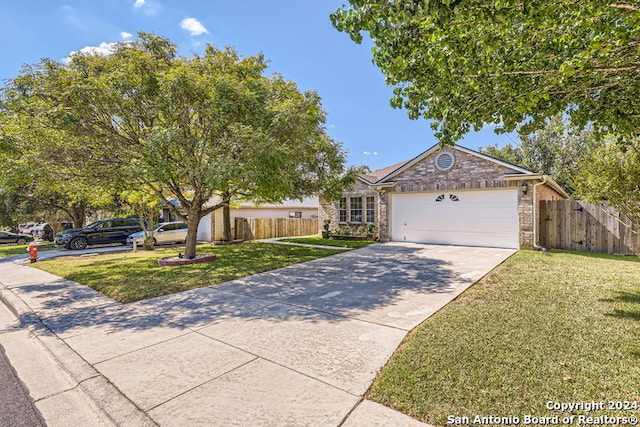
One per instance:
(467, 218)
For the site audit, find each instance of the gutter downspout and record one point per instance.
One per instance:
(535, 213)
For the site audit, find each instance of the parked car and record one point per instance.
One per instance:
(20, 239)
(165, 232)
(27, 228)
(43, 231)
(114, 230)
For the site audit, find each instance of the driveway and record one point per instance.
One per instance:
(295, 346)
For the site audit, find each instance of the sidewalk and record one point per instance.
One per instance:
(65, 389)
(295, 346)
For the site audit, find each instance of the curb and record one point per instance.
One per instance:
(113, 404)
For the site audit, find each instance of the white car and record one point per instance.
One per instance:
(165, 232)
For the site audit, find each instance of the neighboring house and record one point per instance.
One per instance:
(210, 227)
(447, 195)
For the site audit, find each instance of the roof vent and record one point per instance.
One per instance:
(444, 161)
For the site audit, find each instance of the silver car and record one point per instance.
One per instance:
(165, 232)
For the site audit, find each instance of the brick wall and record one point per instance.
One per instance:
(468, 172)
(329, 209)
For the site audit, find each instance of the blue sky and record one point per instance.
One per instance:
(295, 35)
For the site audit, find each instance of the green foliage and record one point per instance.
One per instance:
(611, 176)
(194, 129)
(466, 63)
(38, 180)
(143, 204)
(354, 230)
(556, 150)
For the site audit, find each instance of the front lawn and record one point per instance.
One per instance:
(318, 240)
(537, 329)
(129, 276)
(10, 250)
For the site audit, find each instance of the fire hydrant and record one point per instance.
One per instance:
(33, 252)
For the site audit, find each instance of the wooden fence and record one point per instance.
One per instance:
(580, 226)
(267, 228)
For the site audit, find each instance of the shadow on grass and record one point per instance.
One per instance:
(624, 314)
(326, 289)
(627, 298)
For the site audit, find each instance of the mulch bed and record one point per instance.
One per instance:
(176, 260)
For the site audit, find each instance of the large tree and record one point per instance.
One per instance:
(465, 63)
(193, 129)
(37, 176)
(611, 177)
(556, 150)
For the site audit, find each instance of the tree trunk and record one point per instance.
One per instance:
(78, 214)
(193, 218)
(226, 223)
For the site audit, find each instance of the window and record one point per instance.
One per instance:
(295, 214)
(342, 210)
(355, 214)
(371, 209)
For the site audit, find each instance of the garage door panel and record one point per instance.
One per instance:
(477, 218)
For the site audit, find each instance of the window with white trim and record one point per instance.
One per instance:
(371, 209)
(342, 210)
(355, 209)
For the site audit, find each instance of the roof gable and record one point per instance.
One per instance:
(401, 167)
(376, 175)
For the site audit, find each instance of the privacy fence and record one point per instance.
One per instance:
(267, 228)
(580, 226)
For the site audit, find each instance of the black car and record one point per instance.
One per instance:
(114, 230)
(20, 239)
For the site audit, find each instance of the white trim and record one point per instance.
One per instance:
(442, 154)
(535, 211)
(437, 147)
(545, 178)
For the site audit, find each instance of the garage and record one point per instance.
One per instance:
(466, 218)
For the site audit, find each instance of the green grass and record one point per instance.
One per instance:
(129, 276)
(10, 250)
(318, 240)
(564, 328)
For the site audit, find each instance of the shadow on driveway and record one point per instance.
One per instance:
(356, 283)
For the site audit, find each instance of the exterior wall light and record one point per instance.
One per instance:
(525, 187)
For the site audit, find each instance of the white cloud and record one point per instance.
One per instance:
(194, 26)
(370, 153)
(148, 7)
(125, 35)
(103, 49)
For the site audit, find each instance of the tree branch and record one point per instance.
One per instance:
(626, 6)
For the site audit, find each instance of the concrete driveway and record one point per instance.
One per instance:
(297, 346)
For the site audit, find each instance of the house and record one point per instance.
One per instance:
(210, 227)
(447, 195)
